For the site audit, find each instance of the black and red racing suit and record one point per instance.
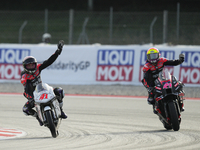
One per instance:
(30, 81)
(151, 72)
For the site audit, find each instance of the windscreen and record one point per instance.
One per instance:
(164, 75)
(39, 87)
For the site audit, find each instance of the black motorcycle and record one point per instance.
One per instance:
(168, 100)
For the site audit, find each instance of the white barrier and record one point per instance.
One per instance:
(97, 64)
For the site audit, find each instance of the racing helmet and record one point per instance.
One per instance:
(46, 38)
(153, 55)
(30, 60)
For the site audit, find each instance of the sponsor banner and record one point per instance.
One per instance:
(97, 64)
(115, 65)
(190, 68)
(10, 71)
(75, 65)
(70, 65)
(11, 62)
(169, 54)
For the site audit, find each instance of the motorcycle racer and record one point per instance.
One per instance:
(154, 64)
(30, 77)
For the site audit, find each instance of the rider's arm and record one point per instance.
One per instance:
(26, 83)
(23, 78)
(53, 57)
(145, 81)
(173, 62)
(48, 62)
(147, 76)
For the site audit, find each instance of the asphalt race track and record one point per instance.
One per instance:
(98, 123)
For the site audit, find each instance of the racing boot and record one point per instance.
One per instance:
(154, 109)
(181, 95)
(63, 115)
(28, 110)
(59, 92)
(181, 104)
(182, 108)
(40, 122)
(150, 99)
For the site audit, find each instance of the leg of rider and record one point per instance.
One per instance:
(181, 104)
(181, 95)
(151, 101)
(59, 92)
(150, 89)
(28, 110)
(150, 98)
(28, 107)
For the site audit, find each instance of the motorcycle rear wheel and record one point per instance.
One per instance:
(51, 125)
(173, 116)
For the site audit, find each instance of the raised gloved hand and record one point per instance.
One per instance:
(60, 47)
(181, 58)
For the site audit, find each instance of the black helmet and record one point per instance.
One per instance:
(30, 60)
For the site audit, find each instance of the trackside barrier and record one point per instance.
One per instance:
(97, 64)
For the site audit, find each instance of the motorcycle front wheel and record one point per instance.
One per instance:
(173, 116)
(50, 123)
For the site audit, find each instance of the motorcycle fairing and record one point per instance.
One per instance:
(43, 93)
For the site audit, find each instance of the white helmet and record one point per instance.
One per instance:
(46, 38)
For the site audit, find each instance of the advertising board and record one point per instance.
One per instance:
(90, 64)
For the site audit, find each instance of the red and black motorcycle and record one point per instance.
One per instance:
(169, 100)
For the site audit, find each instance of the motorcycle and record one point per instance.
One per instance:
(168, 100)
(47, 107)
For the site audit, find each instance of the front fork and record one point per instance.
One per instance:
(39, 112)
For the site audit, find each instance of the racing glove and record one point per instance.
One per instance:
(60, 47)
(181, 58)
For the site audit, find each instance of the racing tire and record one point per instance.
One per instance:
(50, 123)
(166, 126)
(173, 116)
